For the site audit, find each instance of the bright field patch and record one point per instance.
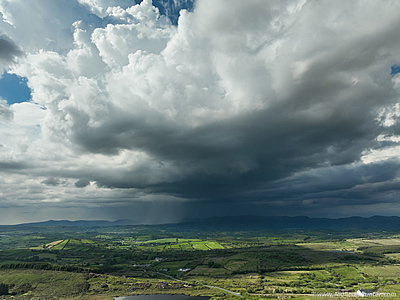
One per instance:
(186, 246)
(51, 245)
(393, 255)
(331, 246)
(348, 273)
(173, 247)
(214, 245)
(385, 242)
(60, 246)
(392, 271)
(200, 246)
(162, 241)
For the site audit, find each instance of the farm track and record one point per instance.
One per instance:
(209, 286)
(224, 290)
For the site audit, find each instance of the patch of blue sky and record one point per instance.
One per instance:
(14, 88)
(395, 69)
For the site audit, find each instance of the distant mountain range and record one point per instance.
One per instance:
(80, 223)
(246, 223)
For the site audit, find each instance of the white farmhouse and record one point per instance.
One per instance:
(183, 270)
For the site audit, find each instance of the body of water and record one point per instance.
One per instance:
(160, 297)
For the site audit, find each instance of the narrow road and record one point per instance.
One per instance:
(209, 286)
(227, 291)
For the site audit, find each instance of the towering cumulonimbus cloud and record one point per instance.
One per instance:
(261, 104)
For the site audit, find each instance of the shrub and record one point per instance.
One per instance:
(4, 289)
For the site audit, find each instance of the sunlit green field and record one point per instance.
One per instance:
(101, 264)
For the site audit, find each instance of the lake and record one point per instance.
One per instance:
(160, 297)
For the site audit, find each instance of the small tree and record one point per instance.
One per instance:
(4, 289)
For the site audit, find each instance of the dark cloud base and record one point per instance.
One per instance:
(279, 108)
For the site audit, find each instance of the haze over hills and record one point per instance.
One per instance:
(79, 223)
(247, 223)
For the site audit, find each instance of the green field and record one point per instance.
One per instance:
(99, 264)
(167, 244)
(214, 245)
(200, 246)
(60, 246)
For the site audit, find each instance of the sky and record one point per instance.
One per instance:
(110, 110)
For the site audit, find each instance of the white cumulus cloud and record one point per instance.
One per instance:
(236, 102)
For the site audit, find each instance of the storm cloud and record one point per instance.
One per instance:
(8, 51)
(262, 107)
